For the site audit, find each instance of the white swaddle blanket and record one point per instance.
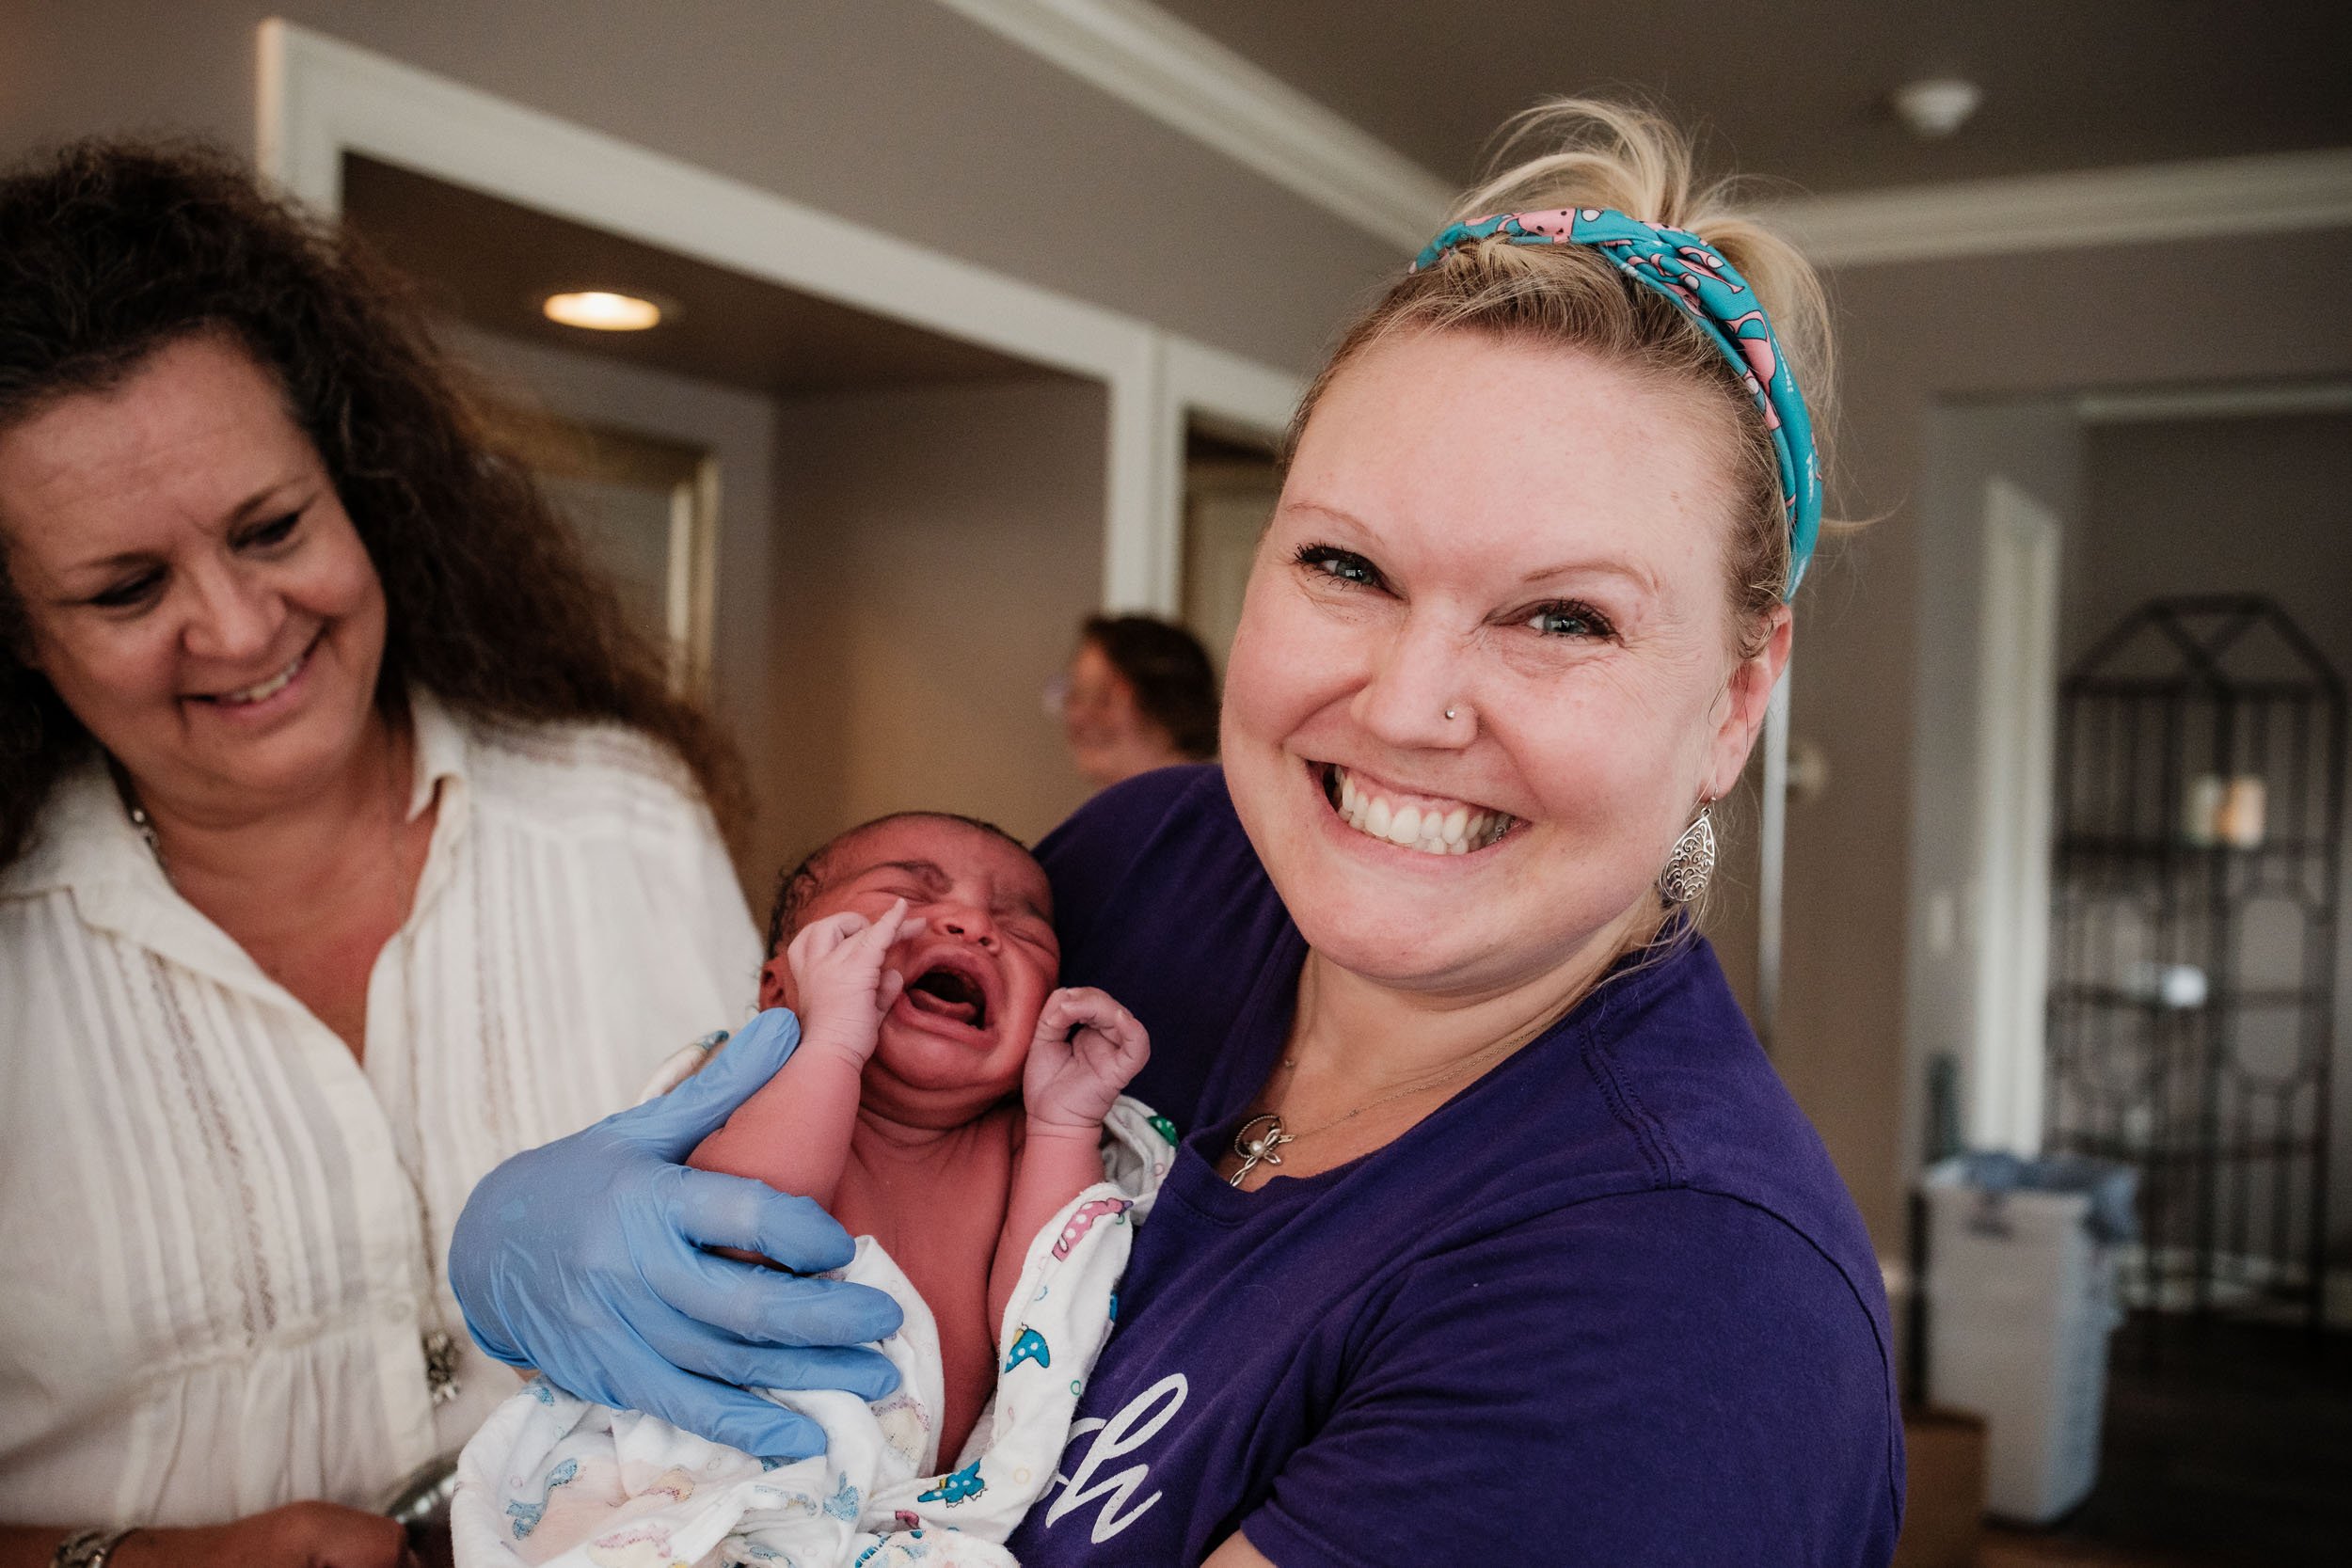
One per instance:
(550, 1479)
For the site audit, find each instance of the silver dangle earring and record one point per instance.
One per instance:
(1693, 861)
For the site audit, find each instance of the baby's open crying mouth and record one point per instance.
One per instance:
(945, 994)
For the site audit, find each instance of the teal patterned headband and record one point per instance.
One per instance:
(1695, 276)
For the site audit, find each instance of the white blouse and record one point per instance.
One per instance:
(222, 1238)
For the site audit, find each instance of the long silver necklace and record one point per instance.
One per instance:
(1259, 1140)
(440, 1347)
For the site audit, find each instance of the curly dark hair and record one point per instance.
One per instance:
(1174, 683)
(799, 887)
(109, 251)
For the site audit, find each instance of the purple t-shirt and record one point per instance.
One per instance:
(1610, 1305)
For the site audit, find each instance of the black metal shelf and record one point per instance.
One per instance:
(2224, 1106)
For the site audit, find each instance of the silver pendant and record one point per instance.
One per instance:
(440, 1366)
(1256, 1143)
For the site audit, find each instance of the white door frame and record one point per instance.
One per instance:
(2016, 780)
(321, 98)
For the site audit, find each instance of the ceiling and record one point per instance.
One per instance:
(1798, 91)
(490, 263)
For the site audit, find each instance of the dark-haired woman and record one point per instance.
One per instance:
(349, 842)
(1139, 694)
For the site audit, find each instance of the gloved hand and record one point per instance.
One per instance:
(584, 1259)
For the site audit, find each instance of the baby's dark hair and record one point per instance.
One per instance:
(797, 888)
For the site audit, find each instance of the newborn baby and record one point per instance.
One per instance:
(919, 954)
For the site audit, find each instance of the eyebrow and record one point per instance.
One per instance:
(1335, 514)
(1590, 568)
(1638, 579)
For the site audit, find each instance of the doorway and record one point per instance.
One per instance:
(1231, 482)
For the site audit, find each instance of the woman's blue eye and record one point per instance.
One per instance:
(1345, 566)
(1569, 619)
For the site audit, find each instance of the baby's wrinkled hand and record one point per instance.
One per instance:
(843, 984)
(1087, 1049)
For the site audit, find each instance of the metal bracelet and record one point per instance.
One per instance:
(88, 1549)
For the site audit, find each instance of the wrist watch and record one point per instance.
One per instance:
(88, 1549)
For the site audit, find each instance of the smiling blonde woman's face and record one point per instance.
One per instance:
(1533, 539)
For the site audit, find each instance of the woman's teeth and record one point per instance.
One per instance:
(270, 687)
(1431, 830)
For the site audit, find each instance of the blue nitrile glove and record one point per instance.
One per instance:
(584, 1259)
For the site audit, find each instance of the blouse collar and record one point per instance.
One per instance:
(86, 844)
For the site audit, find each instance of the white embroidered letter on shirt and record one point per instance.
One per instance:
(1124, 1433)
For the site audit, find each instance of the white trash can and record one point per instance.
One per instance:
(2021, 1298)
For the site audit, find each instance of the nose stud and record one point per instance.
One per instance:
(1449, 713)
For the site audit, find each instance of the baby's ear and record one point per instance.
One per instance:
(775, 984)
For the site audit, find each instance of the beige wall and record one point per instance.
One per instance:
(898, 113)
(2221, 505)
(936, 550)
(1918, 339)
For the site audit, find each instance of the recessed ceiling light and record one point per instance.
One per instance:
(601, 310)
(1936, 106)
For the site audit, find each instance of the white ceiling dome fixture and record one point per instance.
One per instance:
(1937, 106)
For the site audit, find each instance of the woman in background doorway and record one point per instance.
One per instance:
(1138, 694)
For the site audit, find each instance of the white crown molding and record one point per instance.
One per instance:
(2265, 193)
(1191, 83)
(1188, 81)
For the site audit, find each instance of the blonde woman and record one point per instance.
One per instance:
(1492, 1234)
